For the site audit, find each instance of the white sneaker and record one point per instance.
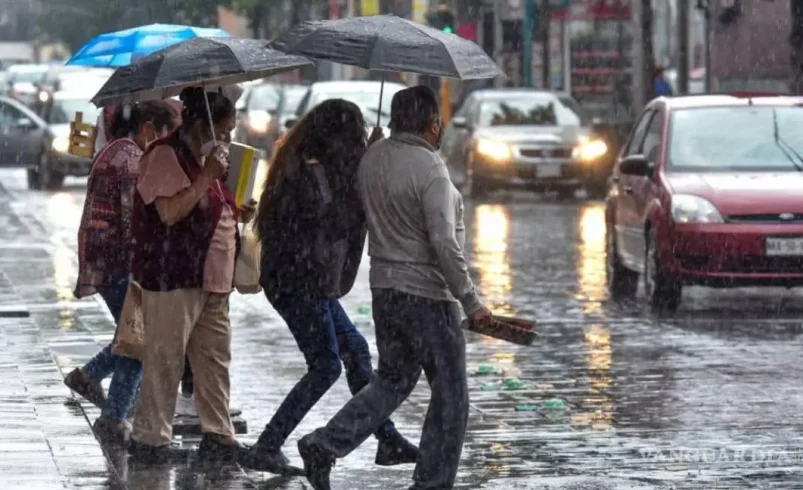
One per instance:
(185, 407)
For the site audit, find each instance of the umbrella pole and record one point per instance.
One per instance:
(381, 96)
(209, 115)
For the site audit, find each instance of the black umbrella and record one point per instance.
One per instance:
(389, 43)
(201, 62)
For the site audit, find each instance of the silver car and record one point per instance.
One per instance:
(521, 138)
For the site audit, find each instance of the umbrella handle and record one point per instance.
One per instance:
(209, 115)
(381, 96)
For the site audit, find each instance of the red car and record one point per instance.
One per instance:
(708, 190)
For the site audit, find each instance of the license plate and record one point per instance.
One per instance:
(784, 246)
(549, 171)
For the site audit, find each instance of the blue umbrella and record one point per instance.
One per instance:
(121, 48)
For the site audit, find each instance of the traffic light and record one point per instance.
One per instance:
(442, 19)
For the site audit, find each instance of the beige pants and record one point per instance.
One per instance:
(179, 322)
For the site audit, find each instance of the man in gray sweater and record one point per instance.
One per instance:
(419, 279)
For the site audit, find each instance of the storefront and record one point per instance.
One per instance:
(591, 55)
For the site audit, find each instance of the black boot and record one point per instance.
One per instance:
(317, 463)
(394, 450)
(156, 455)
(262, 458)
(112, 432)
(214, 450)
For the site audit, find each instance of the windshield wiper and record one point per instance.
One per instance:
(785, 147)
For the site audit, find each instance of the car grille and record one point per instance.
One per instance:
(745, 264)
(546, 152)
(766, 218)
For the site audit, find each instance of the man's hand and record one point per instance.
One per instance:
(376, 135)
(248, 211)
(481, 317)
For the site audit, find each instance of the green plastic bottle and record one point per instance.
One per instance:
(486, 369)
(364, 309)
(554, 404)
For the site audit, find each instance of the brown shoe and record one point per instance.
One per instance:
(112, 432)
(82, 384)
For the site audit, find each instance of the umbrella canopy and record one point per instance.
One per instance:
(115, 49)
(389, 43)
(203, 61)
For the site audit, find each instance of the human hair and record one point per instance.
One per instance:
(194, 102)
(129, 118)
(333, 133)
(413, 110)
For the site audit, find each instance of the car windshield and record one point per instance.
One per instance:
(26, 76)
(528, 110)
(367, 98)
(736, 138)
(263, 98)
(63, 111)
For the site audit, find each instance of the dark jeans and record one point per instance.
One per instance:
(412, 333)
(326, 336)
(127, 371)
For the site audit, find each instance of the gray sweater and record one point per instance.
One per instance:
(414, 213)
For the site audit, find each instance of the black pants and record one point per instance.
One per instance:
(186, 379)
(412, 333)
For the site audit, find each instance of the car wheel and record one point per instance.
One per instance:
(33, 179)
(566, 193)
(663, 291)
(622, 282)
(596, 191)
(49, 179)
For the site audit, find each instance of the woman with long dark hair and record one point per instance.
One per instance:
(312, 230)
(104, 244)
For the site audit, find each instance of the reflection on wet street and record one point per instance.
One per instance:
(609, 396)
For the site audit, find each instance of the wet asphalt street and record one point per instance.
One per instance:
(610, 396)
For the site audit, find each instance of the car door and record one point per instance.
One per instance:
(627, 217)
(643, 188)
(21, 135)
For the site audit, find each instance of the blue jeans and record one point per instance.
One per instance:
(326, 336)
(127, 371)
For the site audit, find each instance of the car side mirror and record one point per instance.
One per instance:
(637, 166)
(289, 123)
(459, 123)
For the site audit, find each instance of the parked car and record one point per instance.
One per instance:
(41, 143)
(522, 138)
(707, 192)
(364, 94)
(22, 82)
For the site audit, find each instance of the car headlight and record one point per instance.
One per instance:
(258, 121)
(494, 150)
(687, 208)
(60, 144)
(589, 149)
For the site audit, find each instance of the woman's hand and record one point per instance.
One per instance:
(216, 165)
(376, 135)
(248, 211)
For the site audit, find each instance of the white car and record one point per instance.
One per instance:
(363, 93)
